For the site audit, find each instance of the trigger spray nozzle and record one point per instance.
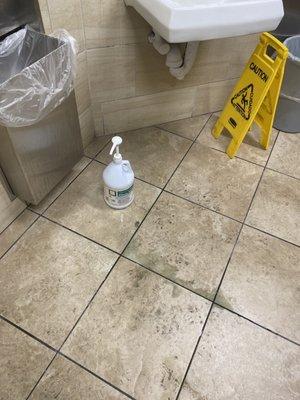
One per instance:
(117, 141)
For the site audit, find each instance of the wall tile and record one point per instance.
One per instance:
(217, 60)
(212, 97)
(9, 210)
(45, 16)
(98, 119)
(110, 22)
(67, 14)
(111, 72)
(82, 92)
(87, 126)
(142, 111)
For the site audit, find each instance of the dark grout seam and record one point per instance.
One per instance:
(137, 178)
(222, 278)
(194, 351)
(16, 241)
(112, 268)
(178, 120)
(282, 173)
(163, 189)
(74, 326)
(70, 183)
(4, 229)
(95, 375)
(122, 255)
(27, 333)
(256, 323)
(162, 276)
(270, 234)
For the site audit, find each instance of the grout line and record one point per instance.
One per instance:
(90, 301)
(173, 133)
(270, 234)
(282, 173)
(80, 234)
(110, 271)
(167, 278)
(42, 213)
(204, 126)
(27, 333)
(208, 315)
(102, 147)
(162, 191)
(4, 229)
(95, 375)
(122, 255)
(202, 206)
(40, 378)
(77, 321)
(125, 257)
(139, 179)
(256, 323)
(237, 157)
(16, 241)
(224, 273)
(194, 352)
(245, 218)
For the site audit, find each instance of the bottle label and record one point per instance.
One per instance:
(118, 198)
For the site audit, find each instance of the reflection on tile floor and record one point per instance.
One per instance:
(125, 296)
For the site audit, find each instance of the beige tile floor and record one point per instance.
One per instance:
(192, 293)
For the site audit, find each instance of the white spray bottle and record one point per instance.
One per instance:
(118, 179)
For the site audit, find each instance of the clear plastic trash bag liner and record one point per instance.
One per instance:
(36, 75)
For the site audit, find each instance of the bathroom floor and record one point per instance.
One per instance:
(192, 293)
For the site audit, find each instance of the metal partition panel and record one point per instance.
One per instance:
(16, 13)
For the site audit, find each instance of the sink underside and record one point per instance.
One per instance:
(195, 20)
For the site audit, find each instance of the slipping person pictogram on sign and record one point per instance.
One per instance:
(243, 101)
(255, 97)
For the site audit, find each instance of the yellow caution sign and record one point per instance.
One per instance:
(255, 97)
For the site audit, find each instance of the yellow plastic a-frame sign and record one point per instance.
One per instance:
(255, 97)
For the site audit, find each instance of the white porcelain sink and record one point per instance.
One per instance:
(195, 20)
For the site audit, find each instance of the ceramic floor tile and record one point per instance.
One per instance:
(285, 156)
(139, 333)
(22, 362)
(276, 207)
(44, 204)
(262, 282)
(154, 154)
(97, 145)
(211, 179)
(188, 127)
(47, 279)
(249, 150)
(66, 381)
(15, 230)
(237, 360)
(186, 243)
(82, 208)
